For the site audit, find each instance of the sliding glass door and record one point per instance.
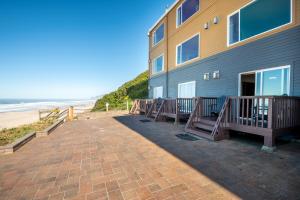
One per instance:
(273, 82)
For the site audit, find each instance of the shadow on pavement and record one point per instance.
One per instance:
(237, 164)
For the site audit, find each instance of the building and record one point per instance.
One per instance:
(232, 48)
(245, 50)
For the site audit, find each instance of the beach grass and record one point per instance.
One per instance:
(8, 136)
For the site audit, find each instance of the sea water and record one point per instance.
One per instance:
(19, 105)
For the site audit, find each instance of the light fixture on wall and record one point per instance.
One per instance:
(216, 20)
(206, 76)
(205, 26)
(216, 74)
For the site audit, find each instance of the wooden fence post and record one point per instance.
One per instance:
(71, 113)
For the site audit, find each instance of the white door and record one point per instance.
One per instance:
(157, 92)
(187, 90)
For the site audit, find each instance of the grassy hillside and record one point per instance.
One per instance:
(134, 89)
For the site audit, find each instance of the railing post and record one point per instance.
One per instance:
(270, 112)
(177, 111)
(40, 117)
(71, 113)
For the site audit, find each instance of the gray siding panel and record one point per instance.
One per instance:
(277, 50)
(157, 81)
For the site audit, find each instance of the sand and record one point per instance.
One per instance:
(14, 119)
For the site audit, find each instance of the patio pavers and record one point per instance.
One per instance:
(115, 156)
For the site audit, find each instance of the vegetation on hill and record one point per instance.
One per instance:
(134, 89)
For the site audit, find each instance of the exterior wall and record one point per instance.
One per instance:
(158, 81)
(213, 40)
(277, 50)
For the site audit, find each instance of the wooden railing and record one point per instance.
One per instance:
(251, 111)
(204, 107)
(185, 105)
(270, 112)
(285, 112)
(218, 131)
(169, 106)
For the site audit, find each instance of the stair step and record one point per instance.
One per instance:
(207, 121)
(204, 126)
(201, 133)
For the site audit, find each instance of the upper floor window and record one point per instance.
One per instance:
(186, 10)
(258, 17)
(158, 64)
(188, 50)
(158, 34)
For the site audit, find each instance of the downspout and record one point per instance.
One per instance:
(149, 63)
(167, 58)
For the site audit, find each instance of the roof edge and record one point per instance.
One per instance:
(159, 20)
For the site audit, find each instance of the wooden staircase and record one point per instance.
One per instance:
(209, 127)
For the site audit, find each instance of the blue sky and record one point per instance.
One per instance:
(73, 48)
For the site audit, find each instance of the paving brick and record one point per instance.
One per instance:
(118, 157)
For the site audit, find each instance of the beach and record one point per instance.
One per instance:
(14, 115)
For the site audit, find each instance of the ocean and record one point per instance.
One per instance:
(19, 105)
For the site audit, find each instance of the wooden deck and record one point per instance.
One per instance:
(267, 116)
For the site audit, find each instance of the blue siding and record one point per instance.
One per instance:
(157, 81)
(276, 50)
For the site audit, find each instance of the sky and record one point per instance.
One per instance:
(73, 48)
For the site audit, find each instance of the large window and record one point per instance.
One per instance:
(258, 17)
(158, 34)
(274, 81)
(157, 92)
(186, 10)
(188, 50)
(158, 64)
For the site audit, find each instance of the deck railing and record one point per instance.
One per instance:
(271, 112)
(204, 107)
(285, 112)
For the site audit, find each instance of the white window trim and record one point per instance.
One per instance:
(163, 64)
(153, 35)
(162, 89)
(188, 61)
(179, 7)
(185, 83)
(261, 78)
(238, 11)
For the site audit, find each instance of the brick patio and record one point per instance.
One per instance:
(118, 157)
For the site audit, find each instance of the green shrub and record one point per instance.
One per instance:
(134, 89)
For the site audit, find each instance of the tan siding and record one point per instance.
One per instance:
(213, 40)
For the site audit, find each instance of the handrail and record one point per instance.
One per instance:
(221, 119)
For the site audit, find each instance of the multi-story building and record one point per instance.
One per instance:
(231, 48)
(247, 51)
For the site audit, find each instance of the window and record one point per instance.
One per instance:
(188, 50)
(274, 81)
(158, 64)
(234, 35)
(258, 17)
(187, 90)
(157, 92)
(158, 34)
(186, 10)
